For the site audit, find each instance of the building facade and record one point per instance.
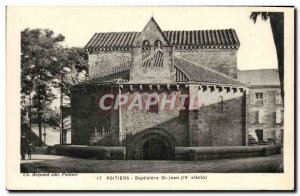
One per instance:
(196, 68)
(266, 112)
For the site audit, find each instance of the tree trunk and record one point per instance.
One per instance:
(277, 25)
(40, 128)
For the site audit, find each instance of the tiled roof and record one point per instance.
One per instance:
(259, 77)
(226, 38)
(116, 74)
(198, 73)
(185, 72)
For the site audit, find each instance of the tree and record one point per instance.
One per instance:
(39, 67)
(43, 63)
(74, 71)
(277, 26)
(75, 68)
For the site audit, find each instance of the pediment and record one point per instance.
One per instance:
(151, 33)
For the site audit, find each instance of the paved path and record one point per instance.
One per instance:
(61, 164)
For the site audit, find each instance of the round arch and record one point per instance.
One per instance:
(153, 136)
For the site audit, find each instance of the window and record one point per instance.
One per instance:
(258, 116)
(259, 134)
(221, 105)
(281, 136)
(279, 116)
(259, 98)
(157, 44)
(146, 45)
(158, 58)
(278, 98)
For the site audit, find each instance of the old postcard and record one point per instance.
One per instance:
(150, 98)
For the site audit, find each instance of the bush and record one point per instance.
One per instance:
(223, 152)
(93, 152)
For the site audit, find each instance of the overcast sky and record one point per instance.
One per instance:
(257, 50)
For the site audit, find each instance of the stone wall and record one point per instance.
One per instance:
(219, 125)
(164, 74)
(102, 61)
(221, 60)
(86, 116)
(207, 126)
(173, 122)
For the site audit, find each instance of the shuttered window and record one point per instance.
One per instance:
(256, 117)
(259, 98)
(278, 98)
(278, 116)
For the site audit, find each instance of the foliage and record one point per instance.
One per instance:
(277, 26)
(96, 137)
(75, 68)
(43, 62)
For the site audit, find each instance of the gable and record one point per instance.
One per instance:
(151, 32)
(152, 56)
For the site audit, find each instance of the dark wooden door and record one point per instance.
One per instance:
(259, 134)
(155, 149)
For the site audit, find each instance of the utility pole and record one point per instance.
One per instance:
(61, 110)
(44, 134)
(30, 117)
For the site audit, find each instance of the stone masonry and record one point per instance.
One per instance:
(198, 63)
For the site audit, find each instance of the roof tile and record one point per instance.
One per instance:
(185, 72)
(199, 38)
(198, 73)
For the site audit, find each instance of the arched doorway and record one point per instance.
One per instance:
(155, 149)
(151, 144)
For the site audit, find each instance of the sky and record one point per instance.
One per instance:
(78, 24)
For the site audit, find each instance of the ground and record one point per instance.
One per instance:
(62, 164)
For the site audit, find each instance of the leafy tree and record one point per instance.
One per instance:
(39, 67)
(75, 68)
(43, 62)
(277, 26)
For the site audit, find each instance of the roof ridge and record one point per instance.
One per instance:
(202, 30)
(216, 72)
(165, 30)
(118, 32)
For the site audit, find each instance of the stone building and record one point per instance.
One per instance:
(265, 119)
(200, 64)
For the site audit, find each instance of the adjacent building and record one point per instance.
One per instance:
(265, 110)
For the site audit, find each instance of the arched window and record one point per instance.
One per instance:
(146, 45)
(221, 105)
(158, 54)
(157, 45)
